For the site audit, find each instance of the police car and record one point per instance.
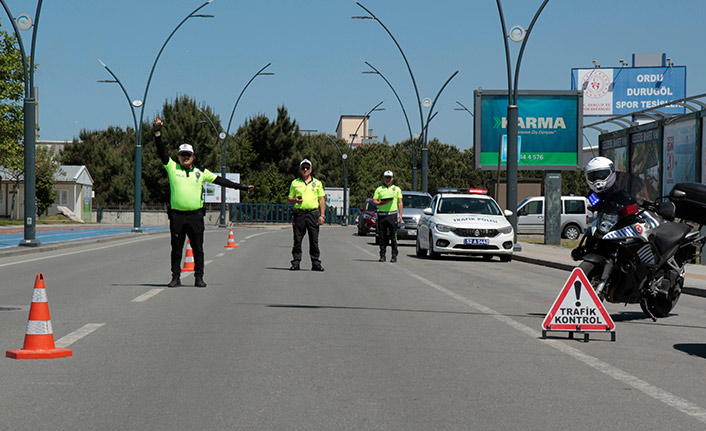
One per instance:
(470, 223)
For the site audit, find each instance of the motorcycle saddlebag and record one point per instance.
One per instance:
(690, 201)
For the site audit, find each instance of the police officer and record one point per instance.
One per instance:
(186, 210)
(307, 195)
(388, 198)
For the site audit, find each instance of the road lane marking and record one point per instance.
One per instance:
(75, 252)
(147, 295)
(369, 253)
(206, 262)
(256, 234)
(73, 337)
(658, 394)
(220, 254)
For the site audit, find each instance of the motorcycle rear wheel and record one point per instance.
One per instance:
(659, 306)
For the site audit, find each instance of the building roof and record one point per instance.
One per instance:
(65, 174)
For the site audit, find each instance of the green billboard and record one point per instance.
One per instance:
(549, 129)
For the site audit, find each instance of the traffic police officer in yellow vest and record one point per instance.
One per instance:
(186, 204)
(388, 198)
(309, 200)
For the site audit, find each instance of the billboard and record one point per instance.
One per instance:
(549, 129)
(334, 198)
(212, 192)
(616, 149)
(678, 154)
(620, 91)
(645, 152)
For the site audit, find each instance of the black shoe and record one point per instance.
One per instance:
(394, 259)
(176, 282)
(317, 268)
(199, 282)
(294, 267)
(382, 259)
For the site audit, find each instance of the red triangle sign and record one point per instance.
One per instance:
(577, 308)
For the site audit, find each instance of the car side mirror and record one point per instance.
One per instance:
(427, 211)
(508, 213)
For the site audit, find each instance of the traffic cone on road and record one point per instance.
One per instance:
(39, 336)
(231, 240)
(189, 264)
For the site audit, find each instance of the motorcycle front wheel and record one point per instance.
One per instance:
(593, 273)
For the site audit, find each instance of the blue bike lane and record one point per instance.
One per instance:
(10, 236)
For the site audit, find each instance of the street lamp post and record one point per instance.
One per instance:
(518, 34)
(30, 123)
(345, 162)
(425, 149)
(260, 72)
(138, 128)
(406, 119)
(416, 91)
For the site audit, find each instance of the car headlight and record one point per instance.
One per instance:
(506, 229)
(442, 227)
(367, 216)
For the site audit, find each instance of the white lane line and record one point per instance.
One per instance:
(220, 254)
(147, 295)
(256, 234)
(658, 394)
(73, 337)
(206, 262)
(369, 253)
(76, 252)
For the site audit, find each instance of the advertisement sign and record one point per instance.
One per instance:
(616, 149)
(619, 91)
(549, 129)
(703, 153)
(679, 154)
(334, 198)
(212, 192)
(645, 152)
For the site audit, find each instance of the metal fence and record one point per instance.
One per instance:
(281, 213)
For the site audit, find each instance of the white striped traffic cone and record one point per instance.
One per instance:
(39, 336)
(189, 265)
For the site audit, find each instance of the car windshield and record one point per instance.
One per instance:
(459, 205)
(416, 201)
(370, 206)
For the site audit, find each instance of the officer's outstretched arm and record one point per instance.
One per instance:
(224, 182)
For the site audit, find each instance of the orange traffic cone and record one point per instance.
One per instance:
(39, 337)
(231, 240)
(189, 264)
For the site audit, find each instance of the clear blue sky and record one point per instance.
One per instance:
(317, 52)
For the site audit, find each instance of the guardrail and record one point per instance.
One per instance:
(281, 213)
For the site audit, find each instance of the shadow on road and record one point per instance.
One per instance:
(693, 349)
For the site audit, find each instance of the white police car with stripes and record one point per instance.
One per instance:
(471, 224)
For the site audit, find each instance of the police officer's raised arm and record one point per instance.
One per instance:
(161, 150)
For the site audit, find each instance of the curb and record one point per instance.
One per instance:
(693, 291)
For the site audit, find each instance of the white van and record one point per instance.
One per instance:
(575, 216)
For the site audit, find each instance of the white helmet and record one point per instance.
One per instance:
(600, 174)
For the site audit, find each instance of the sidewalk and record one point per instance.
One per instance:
(560, 258)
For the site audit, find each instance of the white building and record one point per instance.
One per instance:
(74, 190)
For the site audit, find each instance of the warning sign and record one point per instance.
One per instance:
(577, 308)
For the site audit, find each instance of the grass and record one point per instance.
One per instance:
(50, 219)
(539, 239)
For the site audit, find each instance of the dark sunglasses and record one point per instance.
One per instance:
(186, 154)
(304, 168)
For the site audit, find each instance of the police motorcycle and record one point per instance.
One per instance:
(637, 254)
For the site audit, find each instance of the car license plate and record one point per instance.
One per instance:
(476, 241)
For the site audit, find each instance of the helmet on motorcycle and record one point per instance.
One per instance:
(600, 174)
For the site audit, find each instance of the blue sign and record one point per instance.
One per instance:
(549, 125)
(620, 91)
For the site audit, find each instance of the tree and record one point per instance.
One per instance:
(11, 107)
(47, 165)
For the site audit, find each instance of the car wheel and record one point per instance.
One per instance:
(432, 253)
(506, 258)
(421, 252)
(571, 232)
(362, 232)
(487, 257)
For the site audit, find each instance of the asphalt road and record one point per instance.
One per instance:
(453, 344)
